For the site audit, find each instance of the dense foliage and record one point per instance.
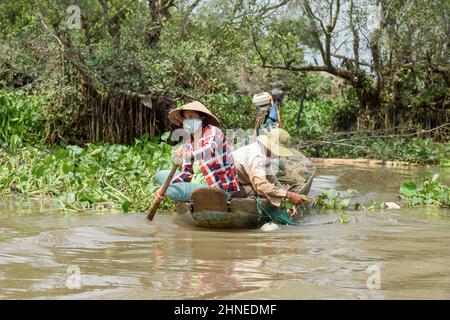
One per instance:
(21, 120)
(393, 69)
(392, 56)
(316, 137)
(95, 177)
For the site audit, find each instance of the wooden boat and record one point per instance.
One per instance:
(209, 207)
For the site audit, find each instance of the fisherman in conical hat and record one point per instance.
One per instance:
(205, 150)
(254, 170)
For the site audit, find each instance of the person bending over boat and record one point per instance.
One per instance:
(205, 152)
(253, 166)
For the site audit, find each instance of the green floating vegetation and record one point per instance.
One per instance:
(21, 120)
(98, 176)
(427, 192)
(332, 199)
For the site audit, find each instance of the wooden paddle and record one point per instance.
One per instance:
(152, 211)
(278, 115)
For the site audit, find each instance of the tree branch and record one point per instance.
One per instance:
(404, 135)
(71, 56)
(192, 7)
(310, 13)
(336, 15)
(258, 51)
(361, 63)
(355, 36)
(259, 13)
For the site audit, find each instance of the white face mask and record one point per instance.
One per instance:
(192, 125)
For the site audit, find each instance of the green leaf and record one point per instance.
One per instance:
(38, 171)
(145, 137)
(67, 167)
(96, 151)
(60, 154)
(416, 201)
(165, 136)
(75, 150)
(408, 189)
(126, 206)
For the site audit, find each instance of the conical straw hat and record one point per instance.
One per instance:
(176, 118)
(277, 141)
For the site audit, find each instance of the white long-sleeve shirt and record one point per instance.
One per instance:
(253, 168)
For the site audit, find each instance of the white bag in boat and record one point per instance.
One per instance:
(269, 226)
(391, 205)
(262, 99)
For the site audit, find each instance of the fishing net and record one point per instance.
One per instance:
(292, 175)
(273, 214)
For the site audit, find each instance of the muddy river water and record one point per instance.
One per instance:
(390, 254)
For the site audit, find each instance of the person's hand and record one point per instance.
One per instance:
(159, 196)
(296, 198)
(293, 212)
(176, 158)
(181, 154)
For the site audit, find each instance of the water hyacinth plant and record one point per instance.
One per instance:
(332, 199)
(97, 176)
(428, 191)
(21, 120)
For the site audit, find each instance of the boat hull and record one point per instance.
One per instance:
(242, 213)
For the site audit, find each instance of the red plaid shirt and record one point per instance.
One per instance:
(215, 160)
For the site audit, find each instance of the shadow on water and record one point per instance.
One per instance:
(124, 256)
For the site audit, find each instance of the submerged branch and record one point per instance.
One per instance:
(340, 141)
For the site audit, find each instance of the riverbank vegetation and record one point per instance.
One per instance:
(98, 176)
(315, 137)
